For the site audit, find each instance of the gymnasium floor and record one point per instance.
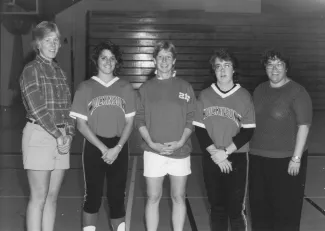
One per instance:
(14, 194)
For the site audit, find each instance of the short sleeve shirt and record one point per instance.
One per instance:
(279, 112)
(223, 114)
(104, 105)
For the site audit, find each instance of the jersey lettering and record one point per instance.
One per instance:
(106, 100)
(223, 112)
(184, 96)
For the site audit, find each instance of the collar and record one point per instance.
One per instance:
(103, 83)
(173, 75)
(224, 95)
(46, 61)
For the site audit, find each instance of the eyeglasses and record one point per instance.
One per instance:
(219, 67)
(278, 66)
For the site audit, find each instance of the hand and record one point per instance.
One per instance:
(67, 138)
(158, 147)
(59, 141)
(293, 168)
(225, 166)
(111, 154)
(103, 150)
(64, 143)
(171, 147)
(217, 155)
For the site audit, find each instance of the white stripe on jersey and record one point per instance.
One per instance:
(198, 124)
(74, 115)
(248, 125)
(130, 114)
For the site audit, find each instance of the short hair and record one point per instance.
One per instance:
(41, 30)
(107, 45)
(223, 54)
(273, 54)
(164, 45)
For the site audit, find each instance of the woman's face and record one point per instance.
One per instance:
(276, 71)
(106, 62)
(49, 46)
(164, 61)
(224, 71)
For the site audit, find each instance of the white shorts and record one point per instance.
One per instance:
(155, 165)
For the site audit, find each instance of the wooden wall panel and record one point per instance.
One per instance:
(197, 34)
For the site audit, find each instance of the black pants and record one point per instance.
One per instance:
(95, 170)
(226, 192)
(275, 197)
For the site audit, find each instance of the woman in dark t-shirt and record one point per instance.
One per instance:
(278, 148)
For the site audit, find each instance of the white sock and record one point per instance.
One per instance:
(121, 227)
(89, 228)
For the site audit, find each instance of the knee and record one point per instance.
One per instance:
(178, 198)
(92, 199)
(233, 215)
(38, 198)
(92, 204)
(154, 198)
(116, 208)
(52, 198)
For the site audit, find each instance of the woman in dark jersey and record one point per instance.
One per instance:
(278, 148)
(104, 107)
(225, 122)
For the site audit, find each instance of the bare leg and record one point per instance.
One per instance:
(178, 187)
(51, 200)
(154, 192)
(117, 224)
(89, 219)
(39, 182)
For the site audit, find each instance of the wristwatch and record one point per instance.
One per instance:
(296, 158)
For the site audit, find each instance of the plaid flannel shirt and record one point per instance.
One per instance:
(46, 96)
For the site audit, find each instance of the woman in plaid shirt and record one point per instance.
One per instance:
(48, 132)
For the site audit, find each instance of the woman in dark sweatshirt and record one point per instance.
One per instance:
(164, 118)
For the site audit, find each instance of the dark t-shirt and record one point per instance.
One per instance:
(279, 112)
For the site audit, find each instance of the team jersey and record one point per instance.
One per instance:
(223, 114)
(166, 108)
(104, 105)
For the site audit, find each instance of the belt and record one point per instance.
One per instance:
(33, 121)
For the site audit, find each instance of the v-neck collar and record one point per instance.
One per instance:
(108, 84)
(224, 95)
